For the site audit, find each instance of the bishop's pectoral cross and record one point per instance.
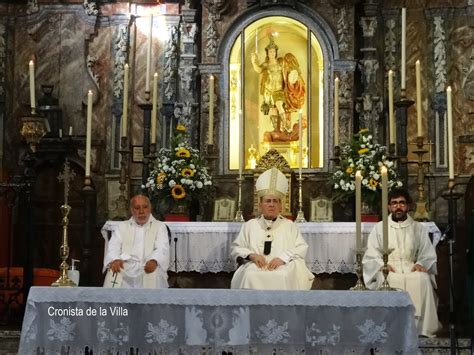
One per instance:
(66, 175)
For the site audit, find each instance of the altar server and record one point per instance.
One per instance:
(412, 263)
(137, 255)
(271, 244)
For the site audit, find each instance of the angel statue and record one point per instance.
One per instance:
(282, 87)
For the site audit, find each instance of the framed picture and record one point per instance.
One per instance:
(224, 209)
(137, 154)
(321, 209)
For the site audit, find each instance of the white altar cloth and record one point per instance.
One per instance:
(205, 246)
(197, 321)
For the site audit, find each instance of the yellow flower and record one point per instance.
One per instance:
(160, 178)
(349, 170)
(183, 153)
(373, 182)
(363, 151)
(364, 130)
(186, 172)
(180, 127)
(178, 192)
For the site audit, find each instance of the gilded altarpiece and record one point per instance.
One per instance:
(276, 94)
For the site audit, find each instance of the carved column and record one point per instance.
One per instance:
(369, 103)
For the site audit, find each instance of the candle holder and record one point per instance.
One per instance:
(33, 128)
(121, 202)
(238, 215)
(402, 147)
(300, 217)
(152, 156)
(64, 280)
(385, 285)
(147, 95)
(421, 212)
(359, 286)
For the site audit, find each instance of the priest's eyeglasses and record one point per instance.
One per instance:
(401, 203)
(269, 201)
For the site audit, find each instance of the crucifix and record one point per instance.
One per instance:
(66, 175)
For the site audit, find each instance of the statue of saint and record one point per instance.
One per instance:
(282, 87)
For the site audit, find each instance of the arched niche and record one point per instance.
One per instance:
(246, 130)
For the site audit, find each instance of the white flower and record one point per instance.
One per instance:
(172, 183)
(376, 176)
(199, 184)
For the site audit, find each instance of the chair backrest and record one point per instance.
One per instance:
(224, 209)
(273, 159)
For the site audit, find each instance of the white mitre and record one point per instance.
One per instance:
(272, 182)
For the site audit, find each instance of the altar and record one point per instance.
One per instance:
(205, 246)
(198, 321)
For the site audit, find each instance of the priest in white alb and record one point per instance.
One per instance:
(137, 255)
(412, 263)
(271, 245)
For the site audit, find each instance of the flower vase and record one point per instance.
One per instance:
(369, 212)
(179, 212)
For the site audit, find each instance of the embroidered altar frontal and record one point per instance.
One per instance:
(196, 321)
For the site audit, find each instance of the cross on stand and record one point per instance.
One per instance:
(66, 175)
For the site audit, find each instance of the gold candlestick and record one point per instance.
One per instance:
(300, 217)
(33, 128)
(359, 286)
(421, 212)
(238, 215)
(385, 285)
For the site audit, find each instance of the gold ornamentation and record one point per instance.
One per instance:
(33, 129)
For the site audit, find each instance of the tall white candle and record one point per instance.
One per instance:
(450, 133)
(385, 207)
(403, 49)
(419, 124)
(32, 86)
(89, 133)
(300, 148)
(241, 144)
(391, 118)
(210, 135)
(70, 130)
(154, 109)
(358, 202)
(336, 111)
(148, 55)
(125, 100)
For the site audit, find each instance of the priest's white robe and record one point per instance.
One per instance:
(287, 244)
(411, 245)
(135, 245)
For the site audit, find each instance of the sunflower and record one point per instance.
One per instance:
(363, 151)
(349, 170)
(183, 153)
(373, 182)
(178, 192)
(180, 127)
(187, 172)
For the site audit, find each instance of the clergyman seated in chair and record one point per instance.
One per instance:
(412, 263)
(271, 244)
(137, 255)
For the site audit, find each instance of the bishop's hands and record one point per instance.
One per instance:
(261, 262)
(416, 267)
(117, 266)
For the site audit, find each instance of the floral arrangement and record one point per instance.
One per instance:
(179, 174)
(368, 157)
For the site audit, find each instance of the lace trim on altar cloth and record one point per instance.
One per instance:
(220, 297)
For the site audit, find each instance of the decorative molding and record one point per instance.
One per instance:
(468, 83)
(369, 109)
(90, 8)
(369, 25)
(91, 61)
(188, 32)
(390, 45)
(369, 69)
(211, 35)
(120, 58)
(345, 92)
(342, 29)
(171, 64)
(32, 7)
(439, 53)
